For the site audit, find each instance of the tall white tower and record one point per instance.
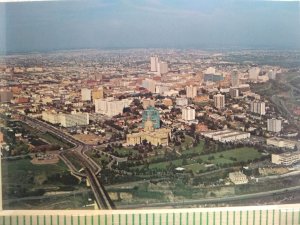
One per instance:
(219, 101)
(154, 63)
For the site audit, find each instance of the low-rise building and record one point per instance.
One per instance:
(287, 159)
(153, 136)
(281, 142)
(238, 178)
(226, 135)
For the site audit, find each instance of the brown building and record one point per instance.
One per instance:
(167, 102)
(201, 127)
(201, 98)
(1, 137)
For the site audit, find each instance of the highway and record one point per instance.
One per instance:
(213, 200)
(91, 169)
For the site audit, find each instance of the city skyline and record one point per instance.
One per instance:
(61, 25)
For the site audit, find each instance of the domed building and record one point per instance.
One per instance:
(150, 134)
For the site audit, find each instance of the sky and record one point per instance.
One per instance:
(38, 26)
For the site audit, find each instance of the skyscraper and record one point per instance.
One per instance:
(219, 101)
(235, 80)
(274, 125)
(162, 68)
(191, 91)
(151, 113)
(154, 63)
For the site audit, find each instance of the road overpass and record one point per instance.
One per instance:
(91, 169)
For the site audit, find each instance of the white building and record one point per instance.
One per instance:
(111, 107)
(51, 117)
(226, 135)
(286, 159)
(74, 119)
(274, 125)
(258, 107)
(161, 89)
(154, 63)
(181, 101)
(281, 142)
(86, 94)
(149, 84)
(191, 91)
(238, 178)
(162, 68)
(219, 101)
(188, 113)
(254, 73)
(235, 79)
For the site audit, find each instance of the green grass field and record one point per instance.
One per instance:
(240, 154)
(20, 172)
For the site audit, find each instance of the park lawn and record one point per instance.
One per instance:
(17, 171)
(241, 154)
(195, 167)
(125, 151)
(198, 149)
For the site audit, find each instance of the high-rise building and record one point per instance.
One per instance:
(86, 94)
(97, 93)
(274, 125)
(219, 101)
(258, 107)
(188, 113)
(111, 107)
(154, 63)
(235, 80)
(253, 73)
(191, 91)
(149, 84)
(162, 68)
(152, 114)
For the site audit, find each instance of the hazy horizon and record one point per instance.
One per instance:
(124, 24)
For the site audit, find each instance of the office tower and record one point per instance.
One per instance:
(235, 80)
(188, 113)
(154, 63)
(152, 114)
(219, 101)
(274, 125)
(86, 94)
(253, 73)
(191, 91)
(258, 107)
(162, 68)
